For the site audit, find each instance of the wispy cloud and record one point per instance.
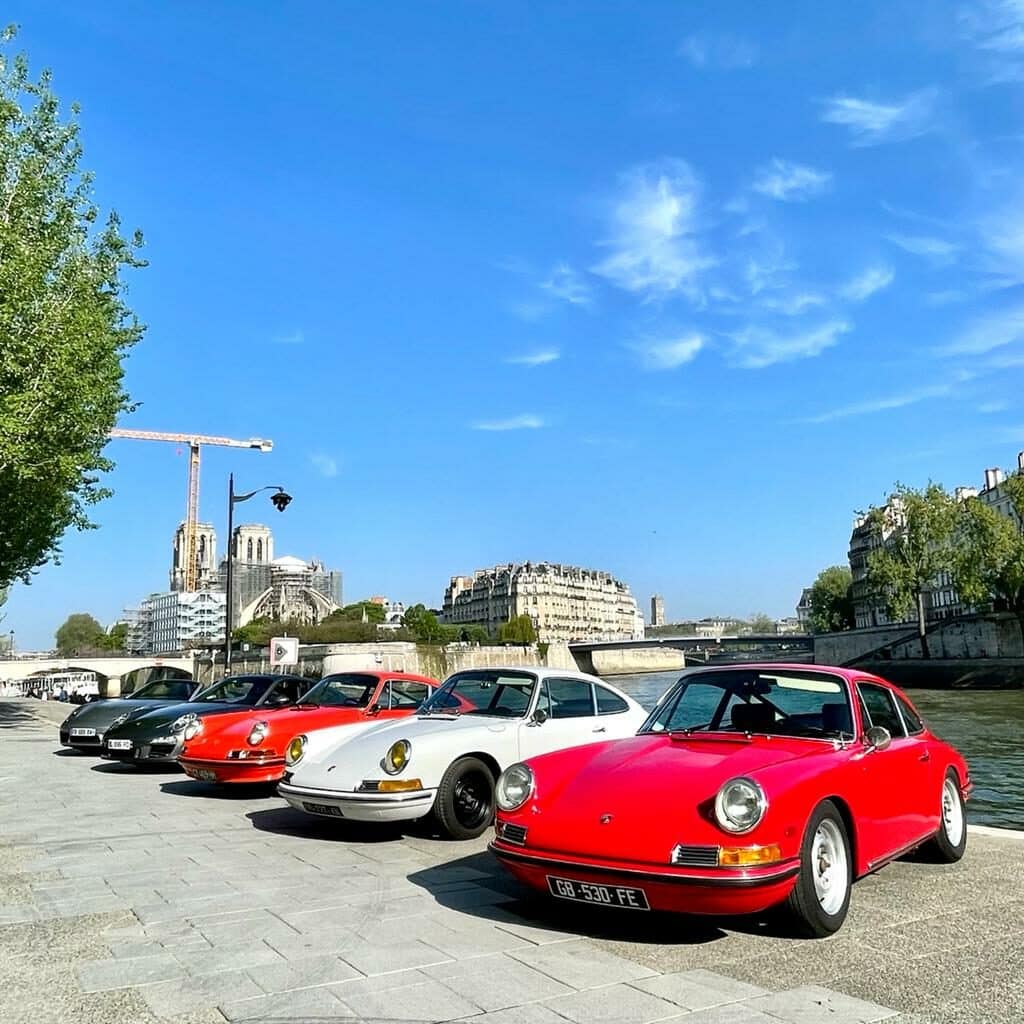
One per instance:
(325, 465)
(996, 29)
(864, 285)
(789, 182)
(535, 358)
(1002, 235)
(527, 421)
(794, 305)
(756, 348)
(768, 271)
(897, 401)
(669, 355)
(711, 50)
(937, 249)
(871, 123)
(996, 330)
(291, 338)
(566, 284)
(654, 250)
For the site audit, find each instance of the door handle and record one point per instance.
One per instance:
(925, 756)
(600, 728)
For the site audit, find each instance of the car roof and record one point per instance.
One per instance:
(380, 673)
(849, 674)
(540, 671)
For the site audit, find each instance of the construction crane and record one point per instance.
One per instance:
(194, 441)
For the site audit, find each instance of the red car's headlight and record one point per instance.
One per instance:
(740, 805)
(515, 785)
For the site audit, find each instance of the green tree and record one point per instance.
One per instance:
(423, 624)
(915, 533)
(64, 325)
(115, 638)
(832, 601)
(760, 623)
(989, 561)
(257, 632)
(519, 630)
(80, 633)
(361, 611)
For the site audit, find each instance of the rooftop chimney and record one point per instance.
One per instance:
(1020, 461)
(990, 479)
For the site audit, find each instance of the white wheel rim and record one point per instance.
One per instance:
(829, 867)
(952, 813)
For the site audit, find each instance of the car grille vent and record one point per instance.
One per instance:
(695, 856)
(514, 834)
(369, 786)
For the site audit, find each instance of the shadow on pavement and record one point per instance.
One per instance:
(288, 821)
(215, 791)
(123, 768)
(15, 714)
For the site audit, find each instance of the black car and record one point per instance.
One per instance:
(158, 736)
(86, 726)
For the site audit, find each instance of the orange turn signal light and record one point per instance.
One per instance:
(747, 856)
(399, 785)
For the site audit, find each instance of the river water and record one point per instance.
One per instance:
(986, 726)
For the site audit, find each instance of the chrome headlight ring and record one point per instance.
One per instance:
(740, 805)
(258, 733)
(397, 757)
(295, 749)
(181, 723)
(515, 786)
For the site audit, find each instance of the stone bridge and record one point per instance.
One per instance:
(110, 671)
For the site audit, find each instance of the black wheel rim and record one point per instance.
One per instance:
(471, 799)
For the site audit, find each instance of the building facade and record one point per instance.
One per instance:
(206, 557)
(657, 610)
(564, 602)
(176, 621)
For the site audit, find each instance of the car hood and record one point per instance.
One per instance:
(100, 714)
(158, 721)
(639, 797)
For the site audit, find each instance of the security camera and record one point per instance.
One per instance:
(281, 500)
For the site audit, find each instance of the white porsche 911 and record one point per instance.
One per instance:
(447, 758)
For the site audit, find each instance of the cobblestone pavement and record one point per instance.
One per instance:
(130, 895)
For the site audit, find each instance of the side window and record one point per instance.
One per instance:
(882, 708)
(911, 717)
(407, 694)
(292, 689)
(570, 698)
(609, 703)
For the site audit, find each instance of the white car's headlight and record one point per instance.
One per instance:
(740, 805)
(515, 785)
(258, 734)
(295, 749)
(397, 757)
(181, 723)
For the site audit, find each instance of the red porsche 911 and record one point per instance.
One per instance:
(250, 745)
(749, 786)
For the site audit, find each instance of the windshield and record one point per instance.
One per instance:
(757, 701)
(494, 692)
(236, 690)
(164, 689)
(344, 690)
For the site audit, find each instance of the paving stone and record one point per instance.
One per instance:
(699, 989)
(325, 940)
(733, 1013)
(471, 939)
(199, 991)
(100, 975)
(580, 965)
(612, 1004)
(811, 1004)
(305, 973)
(311, 1004)
(530, 1013)
(228, 957)
(496, 982)
(406, 996)
(370, 959)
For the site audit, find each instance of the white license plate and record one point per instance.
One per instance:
(203, 774)
(603, 895)
(329, 809)
(119, 744)
(83, 732)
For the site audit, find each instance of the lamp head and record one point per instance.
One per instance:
(281, 500)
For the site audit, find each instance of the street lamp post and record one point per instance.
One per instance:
(280, 500)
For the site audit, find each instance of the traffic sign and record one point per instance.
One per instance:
(284, 650)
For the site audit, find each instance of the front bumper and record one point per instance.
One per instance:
(152, 751)
(359, 806)
(250, 770)
(94, 742)
(717, 891)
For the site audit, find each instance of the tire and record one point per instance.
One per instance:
(464, 807)
(821, 897)
(948, 844)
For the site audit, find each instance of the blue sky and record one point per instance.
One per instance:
(668, 289)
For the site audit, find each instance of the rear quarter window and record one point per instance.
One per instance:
(609, 703)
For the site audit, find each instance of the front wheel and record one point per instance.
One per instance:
(949, 843)
(821, 897)
(464, 805)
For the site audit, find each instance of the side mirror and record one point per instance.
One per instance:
(540, 716)
(279, 700)
(373, 709)
(877, 738)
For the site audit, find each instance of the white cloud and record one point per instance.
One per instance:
(535, 358)
(937, 249)
(887, 404)
(325, 465)
(987, 333)
(565, 284)
(788, 182)
(996, 28)
(669, 355)
(768, 271)
(864, 285)
(653, 244)
(871, 123)
(794, 305)
(1002, 234)
(527, 421)
(292, 338)
(707, 50)
(757, 347)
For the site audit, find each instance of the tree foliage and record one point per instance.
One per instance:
(79, 634)
(63, 320)
(519, 630)
(423, 625)
(361, 611)
(760, 624)
(831, 600)
(915, 531)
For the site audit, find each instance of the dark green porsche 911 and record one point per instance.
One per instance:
(156, 737)
(86, 726)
